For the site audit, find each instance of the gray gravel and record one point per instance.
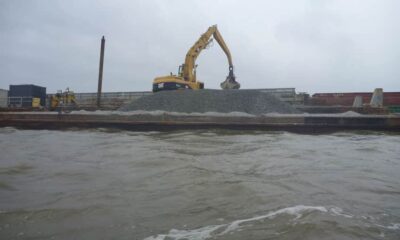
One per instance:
(188, 101)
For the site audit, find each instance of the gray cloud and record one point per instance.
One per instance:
(314, 46)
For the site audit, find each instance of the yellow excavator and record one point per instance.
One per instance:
(63, 100)
(186, 78)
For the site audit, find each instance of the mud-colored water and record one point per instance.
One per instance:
(212, 184)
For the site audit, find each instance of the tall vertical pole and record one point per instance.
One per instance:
(103, 41)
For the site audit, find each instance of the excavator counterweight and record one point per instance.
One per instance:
(186, 77)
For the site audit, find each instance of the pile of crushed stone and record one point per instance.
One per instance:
(207, 100)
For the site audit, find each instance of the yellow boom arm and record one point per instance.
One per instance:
(188, 71)
(186, 78)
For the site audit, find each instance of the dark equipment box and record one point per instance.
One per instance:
(28, 91)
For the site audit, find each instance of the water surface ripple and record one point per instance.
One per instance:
(197, 185)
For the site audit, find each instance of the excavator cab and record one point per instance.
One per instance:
(176, 82)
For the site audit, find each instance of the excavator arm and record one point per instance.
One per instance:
(188, 69)
(186, 78)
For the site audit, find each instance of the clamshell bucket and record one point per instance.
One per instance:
(230, 81)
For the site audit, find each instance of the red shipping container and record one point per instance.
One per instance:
(347, 99)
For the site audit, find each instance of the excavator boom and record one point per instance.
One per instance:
(187, 72)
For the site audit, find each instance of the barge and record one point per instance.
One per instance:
(155, 121)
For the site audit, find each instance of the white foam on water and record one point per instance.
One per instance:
(210, 231)
(296, 211)
(393, 226)
(195, 234)
(339, 212)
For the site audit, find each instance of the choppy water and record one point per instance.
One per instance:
(198, 185)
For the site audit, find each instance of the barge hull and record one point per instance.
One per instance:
(148, 122)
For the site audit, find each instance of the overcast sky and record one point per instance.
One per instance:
(312, 45)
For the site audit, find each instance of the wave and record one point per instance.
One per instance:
(212, 231)
(222, 229)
